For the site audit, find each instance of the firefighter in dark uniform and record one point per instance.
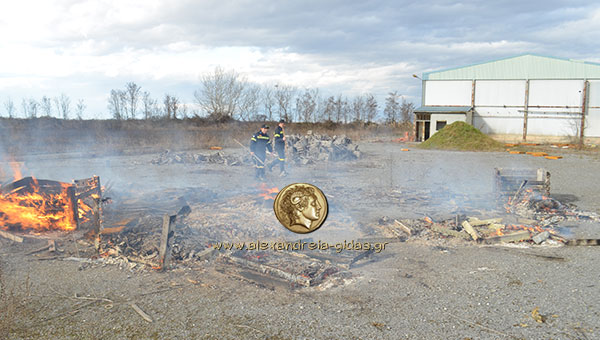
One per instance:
(259, 144)
(279, 137)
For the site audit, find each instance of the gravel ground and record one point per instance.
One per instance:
(415, 289)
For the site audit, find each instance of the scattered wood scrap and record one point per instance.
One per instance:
(469, 229)
(141, 312)
(404, 228)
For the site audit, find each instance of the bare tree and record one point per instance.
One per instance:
(114, 104)
(33, 108)
(358, 108)
(56, 101)
(132, 96)
(80, 108)
(9, 106)
(306, 105)
(171, 106)
(370, 107)
(407, 110)
(284, 95)
(329, 109)
(46, 105)
(63, 105)
(30, 108)
(268, 99)
(220, 93)
(340, 109)
(147, 105)
(250, 102)
(25, 107)
(392, 108)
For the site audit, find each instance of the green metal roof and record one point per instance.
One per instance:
(528, 66)
(443, 109)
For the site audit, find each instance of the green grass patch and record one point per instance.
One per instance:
(462, 136)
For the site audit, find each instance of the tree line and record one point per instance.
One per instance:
(46, 107)
(228, 95)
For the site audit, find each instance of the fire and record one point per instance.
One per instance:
(27, 206)
(268, 193)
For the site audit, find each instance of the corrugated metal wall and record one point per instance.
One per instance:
(448, 93)
(593, 116)
(554, 106)
(499, 106)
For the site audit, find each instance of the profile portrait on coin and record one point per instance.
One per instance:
(301, 206)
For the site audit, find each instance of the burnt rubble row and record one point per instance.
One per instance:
(301, 150)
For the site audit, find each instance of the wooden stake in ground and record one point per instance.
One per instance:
(167, 232)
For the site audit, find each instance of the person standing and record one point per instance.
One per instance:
(259, 144)
(279, 139)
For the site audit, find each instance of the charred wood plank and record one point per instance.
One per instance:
(450, 232)
(266, 269)
(512, 237)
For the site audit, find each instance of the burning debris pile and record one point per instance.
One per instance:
(312, 148)
(31, 204)
(169, 157)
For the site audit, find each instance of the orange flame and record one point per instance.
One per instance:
(30, 208)
(268, 193)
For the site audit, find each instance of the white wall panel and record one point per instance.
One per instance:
(553, 126)
(498, 120)
(592, 120)
(593, 123)
(499, 92)
(594, 93)
(555, 92)
(448, 92)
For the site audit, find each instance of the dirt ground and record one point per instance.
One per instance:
(411, 290)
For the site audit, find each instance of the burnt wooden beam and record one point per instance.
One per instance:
(72, 202)
(165, 237)
(11, 236)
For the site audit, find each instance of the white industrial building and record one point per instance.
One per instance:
(527, 97)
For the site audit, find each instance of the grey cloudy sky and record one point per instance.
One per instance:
(87, 48)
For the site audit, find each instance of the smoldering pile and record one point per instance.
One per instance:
(312, 148)
(169, 157)
(301, 150)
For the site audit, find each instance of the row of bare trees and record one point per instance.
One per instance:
(59, 107)
(225, 95)
(229, 95)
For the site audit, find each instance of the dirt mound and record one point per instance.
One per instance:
(461, 136)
